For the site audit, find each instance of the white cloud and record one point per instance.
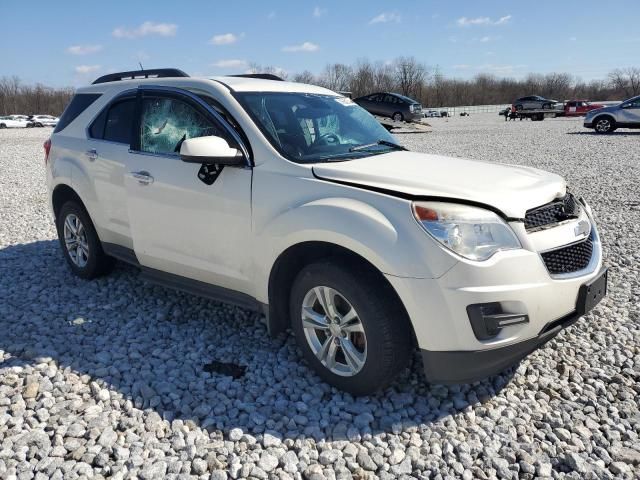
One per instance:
(84, 69)
(468, 22)
(83, 49)
(303, 47)
(461, 66)
(386, 17)
(319, 12)
(232, 64)
(147, 28)
(485, 39)
(225, 39)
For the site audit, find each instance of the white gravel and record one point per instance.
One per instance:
(105, 378)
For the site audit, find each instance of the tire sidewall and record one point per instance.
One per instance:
(397, 114)
(91, 269)
(346, 283)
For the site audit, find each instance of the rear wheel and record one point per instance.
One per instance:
(348, 326)
(398, 117)
(605, 125)
(80, 243)
(2, 125)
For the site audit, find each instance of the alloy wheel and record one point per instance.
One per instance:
(334, 331)
(75, 239)
(603, 125)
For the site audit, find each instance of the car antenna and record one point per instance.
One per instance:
(141, 67)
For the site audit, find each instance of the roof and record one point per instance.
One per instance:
(235, 84)
(243, 84)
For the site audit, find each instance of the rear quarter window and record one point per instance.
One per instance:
(78, 104)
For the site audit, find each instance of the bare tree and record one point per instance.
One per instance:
(337, 77)
(626, 81)
(410, 76)
(305, 77)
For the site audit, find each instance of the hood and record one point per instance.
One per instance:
(509, 188)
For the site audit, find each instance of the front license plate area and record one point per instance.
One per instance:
(591, 293)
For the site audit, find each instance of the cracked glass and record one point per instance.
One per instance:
(167, 122)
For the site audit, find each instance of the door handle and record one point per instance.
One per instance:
(144, 178)
(91, 154)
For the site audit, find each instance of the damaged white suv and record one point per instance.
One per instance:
(292, 200)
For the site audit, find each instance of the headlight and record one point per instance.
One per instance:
(474, 233)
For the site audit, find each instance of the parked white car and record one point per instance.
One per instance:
(292, 200)
(11, 121)
(44, 120)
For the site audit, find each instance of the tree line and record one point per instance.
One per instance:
(19, 98)
(431, 88)
(404, 75)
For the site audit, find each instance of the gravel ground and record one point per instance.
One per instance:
(106, 379)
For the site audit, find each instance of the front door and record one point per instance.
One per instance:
(179, 224)
(630, 113)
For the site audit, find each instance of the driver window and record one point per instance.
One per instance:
(166, 122)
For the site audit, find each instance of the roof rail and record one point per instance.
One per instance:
(263, 76)
(153, 73)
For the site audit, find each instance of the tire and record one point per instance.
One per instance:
(39, 125)
(87, 261)
(2, 125)
(604, 124)
(379, 336)
(398, 117)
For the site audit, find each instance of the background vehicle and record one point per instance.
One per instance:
(608, 119)
(533, 102)
(576, 108)
(392, 105)
(44, 120)
(299, 204)
(433, 114)
(11, 122)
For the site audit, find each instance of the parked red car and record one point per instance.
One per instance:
(576, 108)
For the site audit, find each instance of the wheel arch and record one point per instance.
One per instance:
(290, 262)
(62, 193)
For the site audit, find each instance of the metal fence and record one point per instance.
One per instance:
(452, 111)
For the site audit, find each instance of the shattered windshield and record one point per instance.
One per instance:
(309, 128)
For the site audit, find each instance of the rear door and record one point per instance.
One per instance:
(109, 139)
(180, 224)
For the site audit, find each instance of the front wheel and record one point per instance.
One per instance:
(80, 243)
(348, 326)
(605, 125)
(398, 117)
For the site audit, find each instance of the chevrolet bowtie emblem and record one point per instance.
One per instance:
(582, 228)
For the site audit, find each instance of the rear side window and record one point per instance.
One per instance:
(78, 104)
(115, 122)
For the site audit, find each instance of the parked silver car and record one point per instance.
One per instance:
(607, 119)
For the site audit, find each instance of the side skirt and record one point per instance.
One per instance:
(184, 284)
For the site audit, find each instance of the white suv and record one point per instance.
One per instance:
(292, 200)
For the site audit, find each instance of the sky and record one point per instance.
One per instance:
(70, 43)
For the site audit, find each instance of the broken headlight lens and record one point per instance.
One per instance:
(471, 232)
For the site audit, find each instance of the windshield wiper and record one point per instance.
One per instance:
(395, 146)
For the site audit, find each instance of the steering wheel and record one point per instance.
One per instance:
(327, 139)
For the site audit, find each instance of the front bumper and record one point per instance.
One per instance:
(516, 283)
(469, 366)
(588, 124)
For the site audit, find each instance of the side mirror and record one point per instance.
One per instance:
(210, 150)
